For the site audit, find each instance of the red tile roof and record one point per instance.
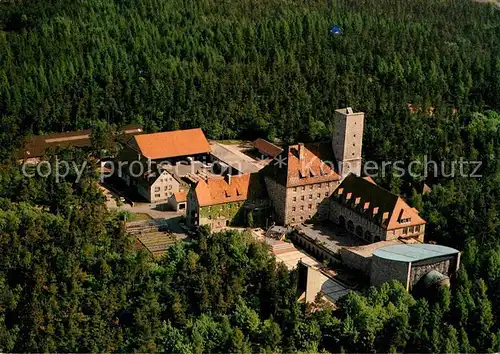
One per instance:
(373, 202)
(217, 190)
(301, 166)
(172, 144)
(267, 148)
(35, 146)
(180, 196)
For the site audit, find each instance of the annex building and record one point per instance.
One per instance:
(373, 213)
(156, 164)
(217, 201)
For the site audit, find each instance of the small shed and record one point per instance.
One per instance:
(267, 148)
(178, 201)
(276, 232)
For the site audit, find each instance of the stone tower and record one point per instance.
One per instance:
(347, 141)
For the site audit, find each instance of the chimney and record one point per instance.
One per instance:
(301, 151)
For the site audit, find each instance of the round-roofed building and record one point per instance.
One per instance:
(409, 263)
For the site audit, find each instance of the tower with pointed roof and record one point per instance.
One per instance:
(347, 141)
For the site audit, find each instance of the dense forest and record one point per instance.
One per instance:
(70, 279)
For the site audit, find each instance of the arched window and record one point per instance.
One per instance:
(341, 221)
(359, 231)
(368, 236)
(350, 226)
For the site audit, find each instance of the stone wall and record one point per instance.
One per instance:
(305, 202)
(277, 194)
(314, 248)
(222, 215)
(355, 261)
(370, 231)
(347, 141)
(445, 265)
(383, 270)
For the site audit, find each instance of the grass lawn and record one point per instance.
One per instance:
(139, 217)
(231, 141)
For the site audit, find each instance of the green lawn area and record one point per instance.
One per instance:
(139, 217)
(231, 141)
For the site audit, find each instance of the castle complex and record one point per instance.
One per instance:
(301, 182)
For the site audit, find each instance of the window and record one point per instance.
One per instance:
(295, 189)
(319, 195)
(302, 198)
(294, 199)
(310, 206)
(303, 188)
(157, 195)
(328, 185)
(326, 194)
(170, 187)
(405, 230)
(293, 219)
(320, 185)
(311, 187)
(166, 188)
(293, 208)
(301, 207)
(417, 228)
(310, 196)
(167, 194)
(157, 189)
(301, 218)
(410, 230)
